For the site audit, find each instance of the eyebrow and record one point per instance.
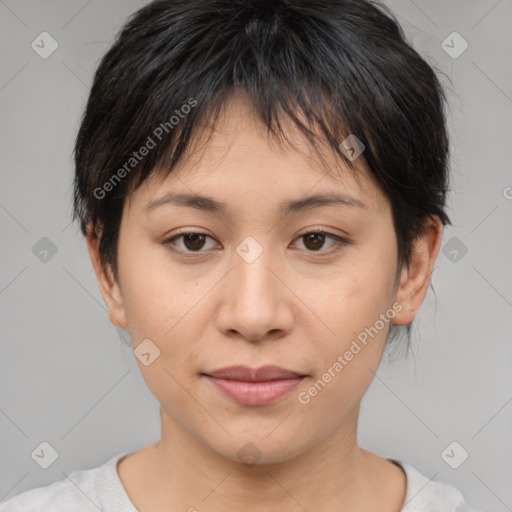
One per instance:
(209, 204)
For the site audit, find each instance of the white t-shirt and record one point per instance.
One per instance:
(100, 489)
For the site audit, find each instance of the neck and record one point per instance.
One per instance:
(194, 476)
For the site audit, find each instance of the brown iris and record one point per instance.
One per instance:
(317, 239)
(193, 241)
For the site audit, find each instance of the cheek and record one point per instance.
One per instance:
(155, 296)
(163, 305)
(353, 298)
(356, 307)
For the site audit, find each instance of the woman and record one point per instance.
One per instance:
(262, 190)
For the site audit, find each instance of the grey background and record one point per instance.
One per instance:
(68, 376)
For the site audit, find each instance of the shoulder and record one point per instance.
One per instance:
(425, 495)
(87, 490)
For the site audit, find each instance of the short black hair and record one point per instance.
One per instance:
(332, 67)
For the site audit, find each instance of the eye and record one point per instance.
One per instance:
(315, 240)
(192, 241)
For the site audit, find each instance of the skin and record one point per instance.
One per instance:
(299, 305)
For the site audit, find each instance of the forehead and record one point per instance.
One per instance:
(237, 159)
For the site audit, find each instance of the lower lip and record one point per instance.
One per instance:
(255, 393)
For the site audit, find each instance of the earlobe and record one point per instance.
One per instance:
(107, 283)
(415, 278)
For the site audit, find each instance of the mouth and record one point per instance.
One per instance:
(254, 386)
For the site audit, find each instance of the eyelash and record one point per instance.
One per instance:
(339, 241)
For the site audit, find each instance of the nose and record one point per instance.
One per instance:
(256, 300)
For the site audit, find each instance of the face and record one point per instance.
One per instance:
(256, 287)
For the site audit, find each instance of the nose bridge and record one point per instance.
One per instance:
(255, 303)
(253, 278)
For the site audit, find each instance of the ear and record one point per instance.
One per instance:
(415, 278)
(109, 288)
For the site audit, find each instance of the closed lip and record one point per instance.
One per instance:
(262, 374)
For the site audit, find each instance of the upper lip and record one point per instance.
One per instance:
(245, 373)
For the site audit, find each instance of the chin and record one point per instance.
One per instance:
(259, 449)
